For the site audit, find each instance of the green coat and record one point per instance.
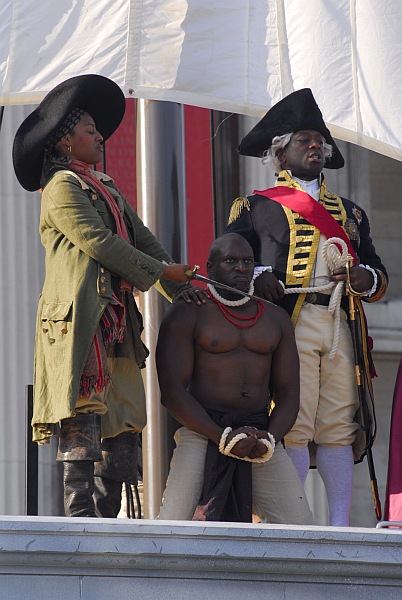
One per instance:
(82, 252)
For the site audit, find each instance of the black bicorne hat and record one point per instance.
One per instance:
(296, 112)
(101, 97)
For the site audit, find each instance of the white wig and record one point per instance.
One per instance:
(270, 158)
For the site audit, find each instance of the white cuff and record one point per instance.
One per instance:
(373, 289)
(259, 270)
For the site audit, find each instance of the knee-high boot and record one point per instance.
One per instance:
(79, 447)
(119, 464)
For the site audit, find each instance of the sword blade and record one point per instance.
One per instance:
(229, 288)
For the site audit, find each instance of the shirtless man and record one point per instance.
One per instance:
(217, 365)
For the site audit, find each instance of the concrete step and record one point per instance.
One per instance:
(88, 559)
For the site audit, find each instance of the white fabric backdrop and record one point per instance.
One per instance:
(233, 55)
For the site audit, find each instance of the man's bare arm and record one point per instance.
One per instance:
(175, 361)
(285, 380)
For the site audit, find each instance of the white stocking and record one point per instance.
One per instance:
(301, 461)
(336, 468)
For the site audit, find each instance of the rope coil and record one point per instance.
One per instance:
(335, 254)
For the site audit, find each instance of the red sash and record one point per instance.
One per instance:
(311, 210)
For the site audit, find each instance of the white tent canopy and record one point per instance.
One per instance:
(232, 55)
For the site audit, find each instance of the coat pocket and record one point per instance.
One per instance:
(56, 319)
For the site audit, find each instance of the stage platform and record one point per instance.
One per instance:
(88, 559)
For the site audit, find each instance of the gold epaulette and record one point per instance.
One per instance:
(237, 207)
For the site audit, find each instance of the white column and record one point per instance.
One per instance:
(161, 205)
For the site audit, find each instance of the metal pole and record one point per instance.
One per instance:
(225, 164)
(161, 205)
(31, 458)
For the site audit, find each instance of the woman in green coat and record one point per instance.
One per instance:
(88, 350)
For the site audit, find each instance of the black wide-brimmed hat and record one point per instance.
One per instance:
(296, 112)
(101, 97)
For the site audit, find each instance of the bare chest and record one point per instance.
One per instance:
(217, 332)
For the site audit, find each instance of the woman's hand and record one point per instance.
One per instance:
(179, 274)
(176, 272)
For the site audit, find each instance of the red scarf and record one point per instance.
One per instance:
(95, 375)
(88, 175)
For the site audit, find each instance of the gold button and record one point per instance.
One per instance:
(102, 269)
(103, 279)
(45, 330)
(103, 289)
(64, 330)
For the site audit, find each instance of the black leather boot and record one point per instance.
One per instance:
(107, 497)
(79, 447)
(119, 464)
(78, 480)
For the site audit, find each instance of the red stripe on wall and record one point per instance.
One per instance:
(200, 218)
(121, 166)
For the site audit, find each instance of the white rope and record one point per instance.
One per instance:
(226, 450)
(335, 259)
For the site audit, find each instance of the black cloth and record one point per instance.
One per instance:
(227, 489)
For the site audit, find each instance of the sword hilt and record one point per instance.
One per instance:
(349, 289)
(191, 272)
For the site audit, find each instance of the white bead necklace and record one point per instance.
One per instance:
(226, 302)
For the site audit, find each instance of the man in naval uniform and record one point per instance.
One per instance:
(288, 227)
